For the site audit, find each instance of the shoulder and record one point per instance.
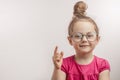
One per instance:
(99, 59)
(102, 64)
(67, 62)
(68, 59)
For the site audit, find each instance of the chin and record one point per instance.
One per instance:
(85, 50)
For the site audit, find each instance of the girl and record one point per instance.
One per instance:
(83, 36)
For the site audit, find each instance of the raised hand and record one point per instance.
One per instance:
(57, 58)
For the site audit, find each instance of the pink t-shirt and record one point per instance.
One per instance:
(75, 71)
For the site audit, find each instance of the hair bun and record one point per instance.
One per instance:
(79, 9)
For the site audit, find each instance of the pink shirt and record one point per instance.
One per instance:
(75, 71)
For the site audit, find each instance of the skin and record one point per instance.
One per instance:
(57, 60)
(84, 55)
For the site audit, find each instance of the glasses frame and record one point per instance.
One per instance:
(83, 36)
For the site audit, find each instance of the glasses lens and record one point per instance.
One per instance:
(77, 37)
(91, 36)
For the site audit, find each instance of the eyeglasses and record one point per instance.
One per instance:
(91, 36)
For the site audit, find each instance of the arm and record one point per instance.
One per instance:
(58, 74)
(104, 75)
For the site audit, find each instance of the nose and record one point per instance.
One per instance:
(84, 38)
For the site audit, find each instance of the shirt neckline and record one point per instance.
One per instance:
(83, 64)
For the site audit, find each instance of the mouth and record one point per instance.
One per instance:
(83, 46)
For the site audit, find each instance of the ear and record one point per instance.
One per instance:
(70, 40)
(98, 39)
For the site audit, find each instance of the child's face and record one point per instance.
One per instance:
(84, 37)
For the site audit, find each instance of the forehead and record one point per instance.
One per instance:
(83, 27)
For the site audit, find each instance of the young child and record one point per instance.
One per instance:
(83, 36)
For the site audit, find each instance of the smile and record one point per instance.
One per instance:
(83, 45)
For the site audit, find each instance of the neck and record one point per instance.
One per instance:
(83, 58)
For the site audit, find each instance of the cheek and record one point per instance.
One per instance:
(75, 45)
(93, 44)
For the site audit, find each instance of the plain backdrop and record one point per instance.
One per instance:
(30, 30)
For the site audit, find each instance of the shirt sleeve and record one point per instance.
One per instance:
(64, 66)
(104, 66)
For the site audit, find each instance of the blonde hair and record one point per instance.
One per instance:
(79, 14)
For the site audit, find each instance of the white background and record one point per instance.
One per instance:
(30, 29)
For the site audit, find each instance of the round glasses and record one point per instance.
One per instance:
(90, 36)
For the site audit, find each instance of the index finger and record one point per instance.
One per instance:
(55, 51)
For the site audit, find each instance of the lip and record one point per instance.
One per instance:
(83, 45)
